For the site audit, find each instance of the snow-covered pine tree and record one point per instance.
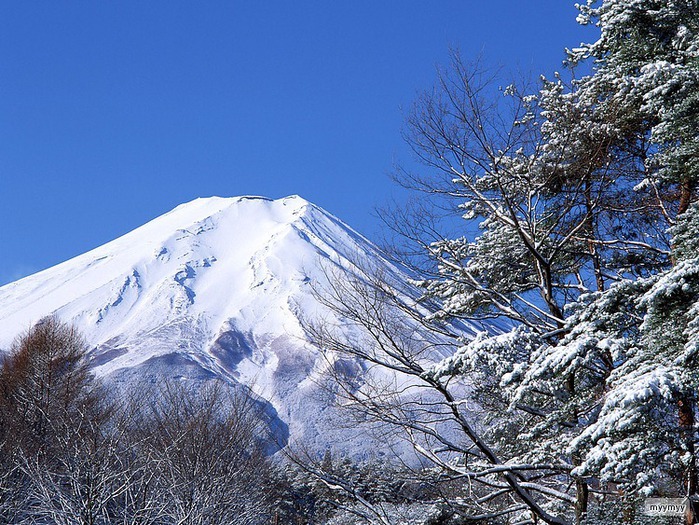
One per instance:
(642, 94)
(644, 90)
(646, 83)
(581, 199)
(641, 338)
(567, 196)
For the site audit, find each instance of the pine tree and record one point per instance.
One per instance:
(646, 83)
(573, 200)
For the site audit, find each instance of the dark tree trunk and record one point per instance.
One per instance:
(582, 493)
(686, 195)
(686, 419)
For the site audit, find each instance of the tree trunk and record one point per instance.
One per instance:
(686, 420)
(686, 195)
(591, 234)
(686, 404)
(582, 493)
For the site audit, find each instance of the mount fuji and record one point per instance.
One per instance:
(215, 289)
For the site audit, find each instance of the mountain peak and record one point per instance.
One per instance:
(170, 264)
(216, 200)
(204, 207)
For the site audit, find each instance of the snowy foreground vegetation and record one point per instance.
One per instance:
(578, 250)
(73, 454)
(581, 231)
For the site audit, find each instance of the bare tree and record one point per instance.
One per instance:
(399, 389)
(549, 204)
(58, 453)
(205, 450)
(73, 453)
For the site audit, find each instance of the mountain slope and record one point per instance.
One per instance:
(215, 288)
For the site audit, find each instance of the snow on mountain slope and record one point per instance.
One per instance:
(214, 288)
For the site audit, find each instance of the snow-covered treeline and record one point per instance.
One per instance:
(73, 453)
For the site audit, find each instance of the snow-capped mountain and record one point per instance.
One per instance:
(214, 288)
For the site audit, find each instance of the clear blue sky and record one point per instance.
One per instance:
(112, 113)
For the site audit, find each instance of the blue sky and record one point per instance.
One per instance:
(112, 113)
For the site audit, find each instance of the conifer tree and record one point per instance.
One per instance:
(580, 237)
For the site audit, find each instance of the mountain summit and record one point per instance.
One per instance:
(215, 288)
